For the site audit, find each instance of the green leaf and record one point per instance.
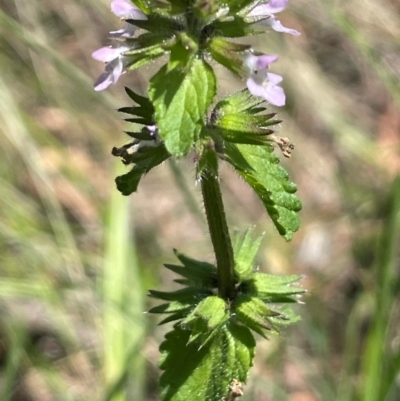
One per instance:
(144, 111)
(173, 307)
(143, 135)
(245, 251)
(271, 288)
(254, 314)
(239, 102)
(145, 158)
(160, 26)
(183, 295)
(204, 373)
(270, 181)
(181, 100)
(197, 273)
(236, 119)
(141, 59)
(142, 101)
(182, 52)
(236, 28)
(225, 53)
(203, 321)
(237, 5)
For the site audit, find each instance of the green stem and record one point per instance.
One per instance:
(219, 232)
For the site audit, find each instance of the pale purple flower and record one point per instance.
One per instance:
(262, 83)
(268, 10)
(115, 65)
(124, 9)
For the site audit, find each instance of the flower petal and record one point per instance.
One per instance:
(125, 9)
(278, 27)
(122, 8)
(115, 68)
(257, 63)
(276, 96)
(265, 60)
(268, 89)
(103, 82)
(107, 54)
(275, 6)
(274, 79)
(126, 32)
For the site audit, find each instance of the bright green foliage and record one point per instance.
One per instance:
(160, 33)
(254, 314)
(270, 181)
(180, 303)
(238, 126)
(211, 345)
(196, 373)
(272, 288)
(194, 272)
(205, 318)
(227, 53)
(245, 251)
(181, 100)
(237, 119)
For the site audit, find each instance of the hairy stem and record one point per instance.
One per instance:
(219, 232)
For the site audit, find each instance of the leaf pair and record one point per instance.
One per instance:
(211, 347)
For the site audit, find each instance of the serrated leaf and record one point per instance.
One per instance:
(240, 102)
(143, 135)
(198, 273)
(205, 318)
(185, 294)
(220, 51)
(253, 313)
(204, 374)
(181, 100)
(144, 111)
(146, 159)
(289, 315)
(245, 250)
(270, 182)
(236, 28)
(142, 101)
(145, 58)
(271, 288)
(173, 307)
(159, 25)
(175, 316)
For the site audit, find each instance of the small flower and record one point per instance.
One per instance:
(115, 65)
(126, 10)
(262, 83)
(268, 10)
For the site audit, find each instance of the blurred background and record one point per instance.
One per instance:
(77, 258)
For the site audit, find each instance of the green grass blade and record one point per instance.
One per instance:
(124, 324)
(376, 359)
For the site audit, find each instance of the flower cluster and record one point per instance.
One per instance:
(121, 55)
(260, 82)
(114, 58)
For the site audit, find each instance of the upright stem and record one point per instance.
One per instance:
(219, 232)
